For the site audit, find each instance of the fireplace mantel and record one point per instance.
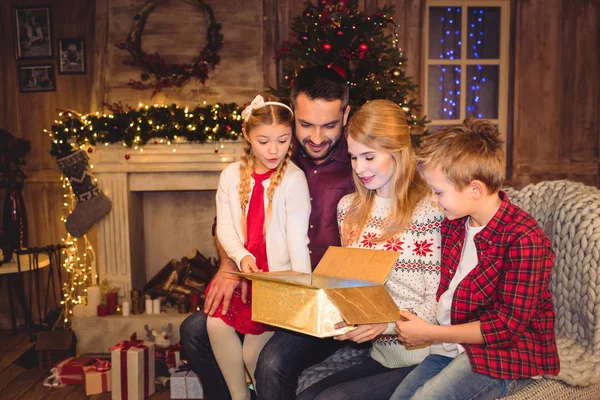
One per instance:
(161, 167)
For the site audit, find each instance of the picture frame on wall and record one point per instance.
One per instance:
(37, 78)
(71, 56)
(33, 32)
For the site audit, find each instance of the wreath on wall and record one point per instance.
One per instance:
(157, 73)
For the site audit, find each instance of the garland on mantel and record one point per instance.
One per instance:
(147, 123)
(157, 73)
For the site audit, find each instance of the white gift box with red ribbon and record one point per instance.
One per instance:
(132, 369)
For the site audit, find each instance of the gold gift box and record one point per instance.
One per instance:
(348, 285)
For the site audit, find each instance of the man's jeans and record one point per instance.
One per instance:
(196, 345)
(283, 359)
(280, 363)
(367, 380)
(444, 378)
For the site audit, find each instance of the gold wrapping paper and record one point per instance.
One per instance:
(347, 285)
(297, 308)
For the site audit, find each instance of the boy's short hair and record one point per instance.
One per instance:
(320, 82)
(466, 152)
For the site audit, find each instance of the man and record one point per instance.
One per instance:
(319, 97)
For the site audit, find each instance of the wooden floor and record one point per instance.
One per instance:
(17, 382)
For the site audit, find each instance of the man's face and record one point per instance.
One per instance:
(319, 125)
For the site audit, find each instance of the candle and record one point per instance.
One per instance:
(156, 306)
(102, 310)
(148, 305)
(194, 301)
(93, 300)
(184, 307)
(125, 307)
(111, 302)
(79, 311)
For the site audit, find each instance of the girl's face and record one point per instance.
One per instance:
(270, 144)
(374, 168)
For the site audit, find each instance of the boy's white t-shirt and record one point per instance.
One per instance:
(468, 261)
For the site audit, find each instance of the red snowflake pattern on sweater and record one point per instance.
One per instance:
(394, 244)
(422, 248)
(368, 240)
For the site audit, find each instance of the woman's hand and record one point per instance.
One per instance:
(249, 265)
(362, 333)
(413, 331)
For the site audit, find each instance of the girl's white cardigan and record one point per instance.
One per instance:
(287, 232)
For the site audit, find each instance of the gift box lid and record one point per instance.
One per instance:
(352, 279)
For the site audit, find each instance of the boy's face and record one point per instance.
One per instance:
(319, 125)
(453, 202)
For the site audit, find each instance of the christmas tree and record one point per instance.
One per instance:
(362, 48)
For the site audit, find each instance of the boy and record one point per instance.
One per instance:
(495, 313)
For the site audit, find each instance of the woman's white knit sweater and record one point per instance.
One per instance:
(415, 278)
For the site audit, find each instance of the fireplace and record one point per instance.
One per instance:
(142, 186)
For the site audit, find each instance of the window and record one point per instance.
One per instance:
(466, 50)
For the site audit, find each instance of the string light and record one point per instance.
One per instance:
(135, 127)
(79, 260)
(449, 81)
(476, 32)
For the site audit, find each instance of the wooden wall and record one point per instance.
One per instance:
(27, 114)
(554, 127)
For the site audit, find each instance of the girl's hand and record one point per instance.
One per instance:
(363, 333)
(249, 265)
(412, 330)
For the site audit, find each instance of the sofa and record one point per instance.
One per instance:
(569, 213)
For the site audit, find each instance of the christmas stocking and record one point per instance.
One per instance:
(92, 203)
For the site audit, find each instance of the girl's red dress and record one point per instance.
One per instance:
(239, 314)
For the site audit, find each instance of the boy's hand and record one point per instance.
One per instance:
(362, 333)
(412, 330)
(222, 287)
(249, 265)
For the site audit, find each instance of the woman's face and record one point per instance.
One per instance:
(374, 168)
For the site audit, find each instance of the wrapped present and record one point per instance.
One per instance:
(348, 285)
(97, 377)
(70, 370)
(186, 385)
(132, 373)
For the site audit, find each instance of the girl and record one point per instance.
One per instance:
(263, 208)
(389, 211)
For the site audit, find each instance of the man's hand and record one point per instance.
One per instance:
(222, 287)
(248, 265)
(363, 333)
(412, 330)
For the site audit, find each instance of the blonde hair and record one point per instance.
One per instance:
(267, 115)
(466, 152)
(381, 125)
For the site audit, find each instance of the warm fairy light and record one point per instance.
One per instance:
(79, 260)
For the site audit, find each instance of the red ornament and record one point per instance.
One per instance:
(216, 149)
(326, 47)
(90, 150)
(156, 142)
(227, 128)
(127, 156)
(363, 47)
(339, 70)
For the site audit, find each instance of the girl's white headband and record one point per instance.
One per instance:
(259, 102)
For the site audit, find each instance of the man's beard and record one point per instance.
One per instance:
(328, 147)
